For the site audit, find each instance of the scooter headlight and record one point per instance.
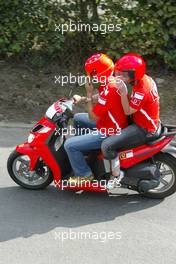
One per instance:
(30, 138)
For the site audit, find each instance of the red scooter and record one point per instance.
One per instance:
(149, 169)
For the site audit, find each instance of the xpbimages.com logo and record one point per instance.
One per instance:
(86, 235)
(102, 184)
(81, 79)
(103, 28)
(72, 131)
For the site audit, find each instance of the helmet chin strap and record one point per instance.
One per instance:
(133, 82)
(131, 75)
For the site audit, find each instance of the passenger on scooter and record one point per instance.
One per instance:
(143, 105)
(107, 114)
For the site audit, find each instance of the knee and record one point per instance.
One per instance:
(68, 145)
(77, 118)
(108, 152)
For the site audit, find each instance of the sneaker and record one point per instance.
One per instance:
(114, 182)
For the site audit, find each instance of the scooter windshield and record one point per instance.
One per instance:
(59, 107)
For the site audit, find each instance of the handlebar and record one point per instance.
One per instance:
(169, 131)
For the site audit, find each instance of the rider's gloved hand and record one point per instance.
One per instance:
(77, 98)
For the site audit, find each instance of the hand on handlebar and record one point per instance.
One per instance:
(77, 98)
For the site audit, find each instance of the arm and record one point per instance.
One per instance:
(126, 106)
(124, 98)
(90, 106)
(78, 99)
(89, 90)
(94, 98)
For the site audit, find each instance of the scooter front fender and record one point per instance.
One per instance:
(26, 149)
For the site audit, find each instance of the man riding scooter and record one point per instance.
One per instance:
(107, 114)
(82, 121)
(143, 105)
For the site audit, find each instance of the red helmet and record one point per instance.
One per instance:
(99, 65)
(133, 64)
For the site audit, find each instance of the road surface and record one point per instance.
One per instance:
(51, 226)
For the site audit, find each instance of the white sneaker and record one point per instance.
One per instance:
(114, 182)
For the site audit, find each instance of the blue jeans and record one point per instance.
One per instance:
(81, 121)
(78, 145)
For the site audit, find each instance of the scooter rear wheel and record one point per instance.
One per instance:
(167, 166)
(18, 168)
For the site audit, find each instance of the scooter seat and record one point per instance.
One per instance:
(151, 139)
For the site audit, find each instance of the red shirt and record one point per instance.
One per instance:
(145, 100)
(111, 116)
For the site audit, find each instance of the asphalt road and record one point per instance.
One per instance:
(53, 226)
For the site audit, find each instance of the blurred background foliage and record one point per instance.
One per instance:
(28, 31)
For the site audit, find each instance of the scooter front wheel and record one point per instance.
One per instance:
(18, 168)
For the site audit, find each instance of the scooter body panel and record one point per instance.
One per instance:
(41, 144)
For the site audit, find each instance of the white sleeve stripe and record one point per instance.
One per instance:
(149, 118)
(113, 120)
